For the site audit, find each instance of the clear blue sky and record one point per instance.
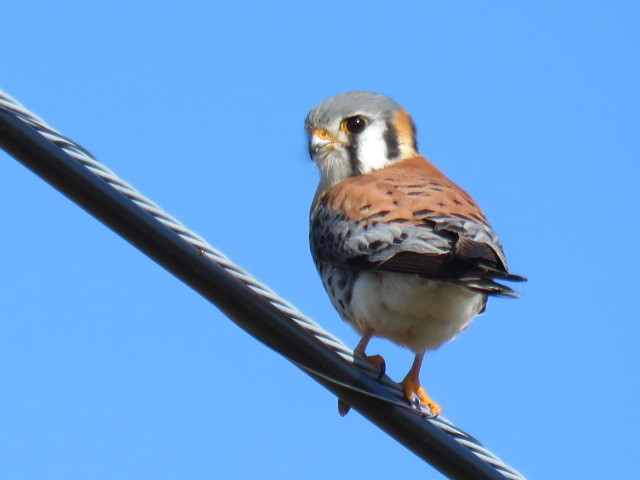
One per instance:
(112, 368)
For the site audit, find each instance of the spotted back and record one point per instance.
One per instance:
(408, 218)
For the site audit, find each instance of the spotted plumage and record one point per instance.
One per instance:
(403, 252)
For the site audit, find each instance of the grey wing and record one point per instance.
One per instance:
(443, 247)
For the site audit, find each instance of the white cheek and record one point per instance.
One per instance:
(372, 149)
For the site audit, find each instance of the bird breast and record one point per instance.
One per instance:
(410, 310)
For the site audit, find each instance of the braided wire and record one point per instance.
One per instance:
(13, 107)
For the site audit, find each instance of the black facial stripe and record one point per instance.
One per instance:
(352, 151)
(392, 141)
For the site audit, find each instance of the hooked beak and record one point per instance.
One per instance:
(320, 143)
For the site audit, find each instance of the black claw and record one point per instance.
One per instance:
(343, 408)
(383, 370)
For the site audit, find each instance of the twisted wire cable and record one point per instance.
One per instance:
(85, 158)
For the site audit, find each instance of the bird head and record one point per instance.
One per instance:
(354, 133)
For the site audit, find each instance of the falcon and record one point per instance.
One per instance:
(403, 252)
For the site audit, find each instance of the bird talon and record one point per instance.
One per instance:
(413, 389)
(343, 407)
(378, 362)
(427, 401)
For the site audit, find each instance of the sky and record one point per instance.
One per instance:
(112, 368)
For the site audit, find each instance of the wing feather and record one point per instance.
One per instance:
(411, 219)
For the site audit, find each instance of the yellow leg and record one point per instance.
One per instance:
(375, 360)
(411, 385)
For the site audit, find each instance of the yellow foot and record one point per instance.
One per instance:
(411, 387)
(378, 362)
(375, 360)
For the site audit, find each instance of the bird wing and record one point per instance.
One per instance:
(409, 218)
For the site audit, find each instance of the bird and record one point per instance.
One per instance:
(402, 251)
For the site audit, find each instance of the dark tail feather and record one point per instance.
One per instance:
(489, 287)
(501, 274)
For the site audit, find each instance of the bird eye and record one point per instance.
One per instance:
(355, 125)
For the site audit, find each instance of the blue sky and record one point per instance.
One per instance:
(112, 368)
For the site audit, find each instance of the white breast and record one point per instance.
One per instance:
(410, 310)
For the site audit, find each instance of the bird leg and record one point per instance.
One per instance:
(411, 385)
(375, 360)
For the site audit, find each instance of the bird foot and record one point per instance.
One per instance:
(343, 407)
(412, 387)
(378, 362)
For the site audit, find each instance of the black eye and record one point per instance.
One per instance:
(355, 125)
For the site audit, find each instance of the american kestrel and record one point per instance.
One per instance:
(403, 252)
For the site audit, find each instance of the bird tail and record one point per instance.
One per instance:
(489, 286)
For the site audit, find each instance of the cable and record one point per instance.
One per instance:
(249, 303)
